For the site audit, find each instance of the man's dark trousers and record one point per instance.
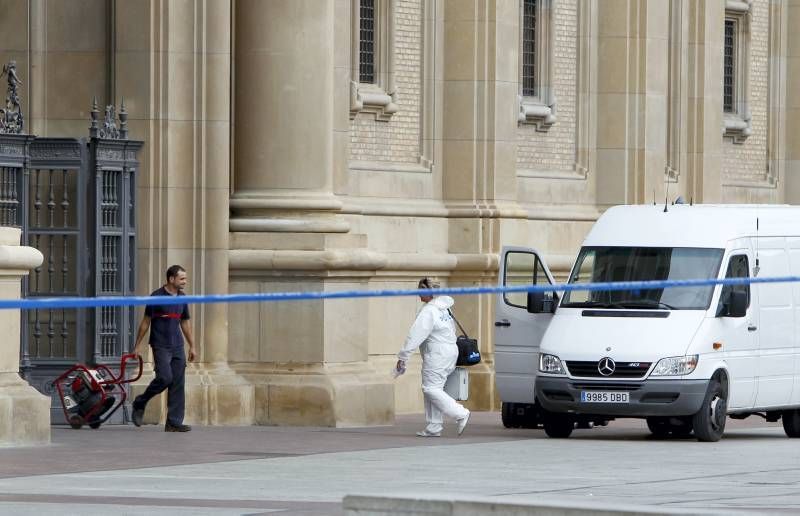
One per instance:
(170, 369)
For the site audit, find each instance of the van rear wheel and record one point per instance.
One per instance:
(559, 426)
(709, 422)
(659, 426)
(791, 422)
(669, 426)
(508, 414)
(683, 428)
(521, 415)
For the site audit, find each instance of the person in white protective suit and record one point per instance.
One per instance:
(434, 334)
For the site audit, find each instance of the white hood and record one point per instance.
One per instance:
(443, 302)
(572, 336)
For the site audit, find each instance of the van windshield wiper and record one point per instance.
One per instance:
(648, 303)
(593, 304)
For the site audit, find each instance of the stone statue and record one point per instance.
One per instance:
(109, 129)
(11, 119)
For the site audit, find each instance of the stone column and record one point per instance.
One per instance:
(479, 132)
(24, 412)
(307, 359)
(480, 95)
(284, 116)
(632, 88)
(60, 72)
(704, 124)
(69, 64)
(793, 105)
(173, 66)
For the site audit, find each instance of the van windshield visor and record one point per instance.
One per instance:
(611, 264)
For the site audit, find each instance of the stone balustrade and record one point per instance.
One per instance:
(24, 412)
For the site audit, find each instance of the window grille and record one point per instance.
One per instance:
(529, 48)
(366, 69)
(729, 74)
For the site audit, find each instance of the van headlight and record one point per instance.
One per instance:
(550, 364)
(675, 366)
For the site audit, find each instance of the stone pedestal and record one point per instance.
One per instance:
(308, 360)
(214, 396)
(24, 412)
(340, 395)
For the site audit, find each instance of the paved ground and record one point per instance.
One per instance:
(307, 471)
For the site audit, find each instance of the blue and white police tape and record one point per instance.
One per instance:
(40, 303)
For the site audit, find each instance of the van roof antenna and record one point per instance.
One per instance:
(654, 196)
(691, 200)
(666, 192)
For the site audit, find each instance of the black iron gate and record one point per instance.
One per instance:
(74, 200)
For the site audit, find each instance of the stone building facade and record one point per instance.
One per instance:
(275, 161)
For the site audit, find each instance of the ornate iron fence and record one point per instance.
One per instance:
(74, 200)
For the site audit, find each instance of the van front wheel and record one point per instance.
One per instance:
(709, 422)
(791, 422)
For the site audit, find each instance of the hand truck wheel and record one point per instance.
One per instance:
(95, 425)
(76, 422)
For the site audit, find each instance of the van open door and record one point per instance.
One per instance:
(520, 322)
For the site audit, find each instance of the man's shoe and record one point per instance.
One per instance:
(425, 433)
(177, 428)
(462, 423)
(138, 416)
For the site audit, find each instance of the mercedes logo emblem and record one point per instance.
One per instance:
(606, 366)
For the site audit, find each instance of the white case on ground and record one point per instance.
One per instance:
(457, 385)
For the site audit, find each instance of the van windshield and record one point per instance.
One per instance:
(609, 264)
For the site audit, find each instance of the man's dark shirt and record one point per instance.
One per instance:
(165, 321)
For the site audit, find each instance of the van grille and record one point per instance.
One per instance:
(622, 370)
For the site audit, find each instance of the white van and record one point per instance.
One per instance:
(683, 358)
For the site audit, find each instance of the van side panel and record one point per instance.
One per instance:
(793, 245)
(775, 325)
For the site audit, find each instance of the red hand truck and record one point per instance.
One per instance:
(91, 396)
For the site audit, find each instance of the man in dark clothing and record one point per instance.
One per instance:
(168, 325)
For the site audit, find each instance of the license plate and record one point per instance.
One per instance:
(68, 402)
(604, 397)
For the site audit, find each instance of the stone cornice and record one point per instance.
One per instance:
(16, 260)
(404, 208)
(285, 202)
(264, 215)
(365, 260)
(288, 225)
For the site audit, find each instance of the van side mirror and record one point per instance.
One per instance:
(735, 305)
(553, 302)
(535, 302)
(538, 303)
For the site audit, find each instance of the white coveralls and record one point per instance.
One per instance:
(433, 332)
